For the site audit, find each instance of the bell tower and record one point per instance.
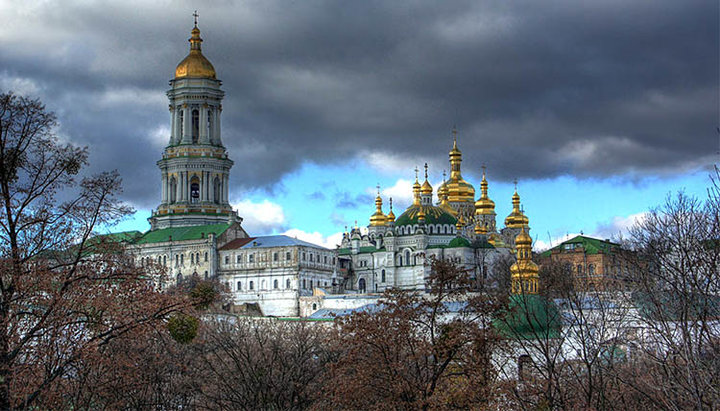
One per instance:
(195, 167)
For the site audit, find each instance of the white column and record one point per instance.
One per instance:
(173, 125)
(163, 189)
(225, 188)
(178, 188)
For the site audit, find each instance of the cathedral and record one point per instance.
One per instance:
(397, 252)
(195, 232)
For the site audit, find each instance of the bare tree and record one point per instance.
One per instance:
(63, 295)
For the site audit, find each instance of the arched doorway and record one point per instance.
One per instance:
(361, 285)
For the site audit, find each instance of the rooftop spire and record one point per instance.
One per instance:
(196, 15)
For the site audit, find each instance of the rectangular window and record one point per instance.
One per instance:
(239, 259)
(227, 259)
(287, 255)
(252, 285)
(239, 285)
(275, 256)
(251, 258)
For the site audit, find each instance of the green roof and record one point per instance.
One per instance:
(121, 237)
(529, 316)
(433, 215)
(589, 244)
(182, 233)
(343, 251)
(458, 242)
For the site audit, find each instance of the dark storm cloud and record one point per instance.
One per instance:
(537, 89)
(344, 199)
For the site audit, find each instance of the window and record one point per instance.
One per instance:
(206, 256)
(275, 284)
(311, 257)
(303, 256)
(431, 229)
(287, 283)
(209, 123)
(314, 306)
(192, 258)
(165, 260)
(206, 275)
(251, 258)
(287, 255)
(325, 259)
(216, 190)
(227, 259)
(382, 276)
(195, 190)
(239, 285)
(239, 259)
(181, 119)
(311, 286)
(333, 260)
(252, 285)
(579, 269)
(197, 258)
(195, 125)
(303, 284)
(182, 259)
(591, 269)
(407, 257)
(361, 285)
(179, 278)
(262, 285)
(275, 256)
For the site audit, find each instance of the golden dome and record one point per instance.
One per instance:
(524, 272)
(195, 65)
(517, 218)
(460, 223)
(426, 187)
(480, 228)
(421, 215)
(378, 219)
(457, 188)
(484, 205)
(416, 189)
(390, 216)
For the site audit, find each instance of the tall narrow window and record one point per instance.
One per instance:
(287, 283)
(382, 276)
(216, 190)
(195, 126)
(181, 122)
(209, 124)
(194, 190)
(173, 190)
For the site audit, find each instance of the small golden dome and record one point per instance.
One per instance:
(426, 188)
(378, 219)
(480, 228)
(523, 239)
(458, 189)
(460, 223)
(484, 205)
(390, 216)
(516, 218)
(195, 65)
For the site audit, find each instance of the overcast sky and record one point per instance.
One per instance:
(604, 101)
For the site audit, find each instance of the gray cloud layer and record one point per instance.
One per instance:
(538, 89)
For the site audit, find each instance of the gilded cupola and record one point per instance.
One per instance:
(416, 189)
(195, 65)
(457, 188)
(378, 219)
(391, 216)
(484, 205)
(517, 218)
(524, 273)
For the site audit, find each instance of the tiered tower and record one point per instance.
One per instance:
(524, 273)
(195, 166)
(460, 193)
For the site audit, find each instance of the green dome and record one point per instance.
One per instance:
(529, 316)
(433, 215)
(459, 242)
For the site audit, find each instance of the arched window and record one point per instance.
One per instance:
(179, 278)
(195, 127)
(216, 190)
(591, 269)
(206, 256)
(194, 190)
(165, 260)
(287, 283)
(407, 257)
(579, 269)
(173, 190)
(382, 276)
(182, 259)
(400, 261)
(314, 306)
(239, 285)
(206, 275)
(227, 259)
(361, 285)
(192, 258)
(430, 230)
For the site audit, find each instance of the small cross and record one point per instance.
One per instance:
(515, 182)
(443, 176)
(378, 188)
(416, 173)
(391, 203)
(454, 133)
(426, 171)
(196, 15)
(483, 167)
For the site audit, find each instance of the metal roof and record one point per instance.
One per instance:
(268, 241)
